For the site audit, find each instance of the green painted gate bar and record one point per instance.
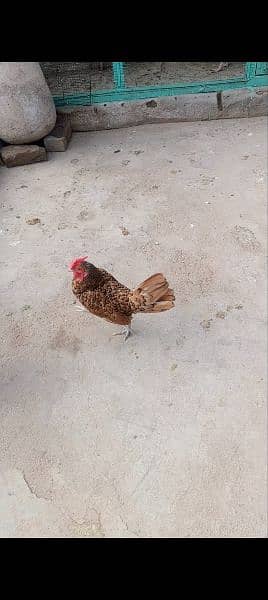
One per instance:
(119, 79)
(255, 75)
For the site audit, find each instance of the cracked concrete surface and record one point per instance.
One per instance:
(164, 435)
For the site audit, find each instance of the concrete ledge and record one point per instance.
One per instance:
(191, 107)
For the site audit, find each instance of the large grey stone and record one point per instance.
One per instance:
(27, 110)
(15, 156)
(2, 144)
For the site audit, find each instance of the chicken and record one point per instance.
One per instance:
(103, 296)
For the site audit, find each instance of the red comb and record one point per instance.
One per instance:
(76, 262)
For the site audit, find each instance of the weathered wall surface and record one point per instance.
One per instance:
(199, 107)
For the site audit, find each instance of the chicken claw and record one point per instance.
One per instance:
(127, 331)
(79, 308)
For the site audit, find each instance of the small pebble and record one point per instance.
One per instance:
(33, 221)
(26, 307)
(206, 324)
(221, 314)
(124, 231)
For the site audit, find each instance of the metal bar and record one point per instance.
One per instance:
(142, 93)
(118, 71)
(250, 70)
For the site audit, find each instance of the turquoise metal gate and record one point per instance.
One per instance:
(255, 74)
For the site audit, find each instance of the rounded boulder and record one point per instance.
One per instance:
(27, 109)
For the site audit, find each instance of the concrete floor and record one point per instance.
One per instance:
(164, 435)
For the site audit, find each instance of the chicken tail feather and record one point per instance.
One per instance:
(152, 295)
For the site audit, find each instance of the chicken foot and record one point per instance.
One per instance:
(126, 331)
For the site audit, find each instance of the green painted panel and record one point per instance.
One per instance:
(250, 70)
(262, 68)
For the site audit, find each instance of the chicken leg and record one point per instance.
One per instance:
(126, 331)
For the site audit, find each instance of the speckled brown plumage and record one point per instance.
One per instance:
(105, 297)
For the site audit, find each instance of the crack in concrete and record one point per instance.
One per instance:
(94, 527)
(30, 488)
(125, 523)
(121, 503)
(149, 468)
(83, 523)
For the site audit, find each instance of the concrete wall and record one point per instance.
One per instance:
(200, 107)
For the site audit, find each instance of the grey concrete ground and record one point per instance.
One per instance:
(164, 435)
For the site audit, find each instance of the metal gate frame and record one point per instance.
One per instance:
(255, 75)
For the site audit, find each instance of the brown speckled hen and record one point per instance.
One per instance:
(102, 295)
